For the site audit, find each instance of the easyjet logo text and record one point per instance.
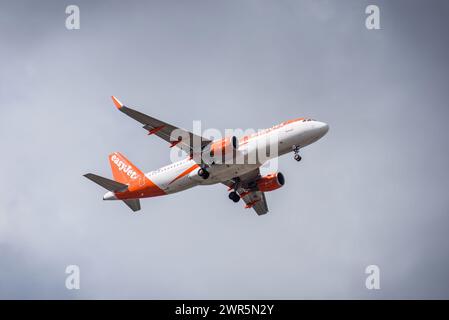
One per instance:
(127, 169)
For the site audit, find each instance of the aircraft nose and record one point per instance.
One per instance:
(322, 127)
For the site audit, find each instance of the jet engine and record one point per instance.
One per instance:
(224, 146)
(271, 182)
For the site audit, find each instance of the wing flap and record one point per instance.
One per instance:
(257, 201)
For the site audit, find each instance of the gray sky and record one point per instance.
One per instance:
(373, 191)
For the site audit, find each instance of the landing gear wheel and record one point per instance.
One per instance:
(234, 196)
(203, 173)
(295, 149)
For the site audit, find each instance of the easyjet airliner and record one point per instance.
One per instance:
(242, 178)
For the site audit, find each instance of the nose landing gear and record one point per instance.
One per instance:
(295, 149)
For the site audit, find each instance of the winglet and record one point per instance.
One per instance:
(117, 103)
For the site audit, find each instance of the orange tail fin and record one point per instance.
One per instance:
(123, 170)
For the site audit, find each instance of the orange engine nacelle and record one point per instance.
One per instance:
(271, 182)
(223, 146)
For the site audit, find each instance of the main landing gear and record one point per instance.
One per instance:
(203, 173)
(234, 196)
(295, 149)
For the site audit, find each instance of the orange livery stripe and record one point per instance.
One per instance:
(185, 172)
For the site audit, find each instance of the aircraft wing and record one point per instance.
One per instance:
(247, 189)
(178, 137)
(257, 201)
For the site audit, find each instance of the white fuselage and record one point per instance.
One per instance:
(183, 174)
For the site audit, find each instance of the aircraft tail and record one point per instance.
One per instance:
(124, 171)
(108, 184)
(114, 186)
(133, 204)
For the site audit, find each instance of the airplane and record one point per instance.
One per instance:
(243, 179)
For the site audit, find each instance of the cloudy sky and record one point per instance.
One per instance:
(373, 191)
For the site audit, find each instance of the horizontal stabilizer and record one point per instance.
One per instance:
(108, 184)
(134, 204)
